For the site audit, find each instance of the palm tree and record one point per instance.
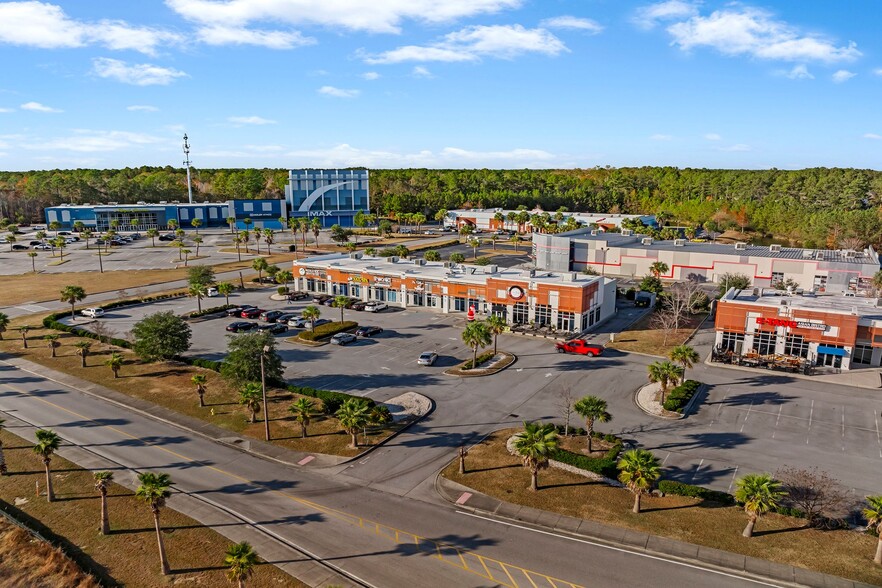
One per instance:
(47, 444)
(685, 356)
(432, 255)
(114, 362)
(240, 559)
(198, 240)
(33, 256)
(153, 234)
(196, 223)
(303, 224)
(72, 295)
(186, 252)
(2, 456)
(283, 277)
(592, 409)
(199, 380)
(198, 291)
(102, 479)
(245, 236)
(257, 236)
(154, 490)
(341, 302)
(316, 226)
(231, 220)
(353, 416)
(52, 342)
(496, 325)
(873, 513)
(54, 226)
(759, 493)
(172, 224)
(534, 444)
(225, 289)
(249, 397)
(663, 373)
(311, 313)
(4, 324)
(516, 239)
(259, 265)
(24, 335)
(638, 471)
(269, 237)
(476, 334)
(658, 268)
(83, 348)
(303, 411)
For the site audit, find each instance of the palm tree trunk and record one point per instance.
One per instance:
(83, 358)
(241, 583)
(878, 558)
(461, 461)
(73, 316)
(590, 425)
(475, 358)
(636, 509)
(495, 339)
(303, 430)
(253, 415)
(201, 399)
(748, 530)
(105, 520)
(354, 439)
(163, 561)
(534, 480)
(50, 494)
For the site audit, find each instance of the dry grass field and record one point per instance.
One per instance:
(641, 337)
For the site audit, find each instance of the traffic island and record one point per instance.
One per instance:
(488, 364)
(679, 401)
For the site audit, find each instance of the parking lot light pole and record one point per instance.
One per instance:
(263, 389)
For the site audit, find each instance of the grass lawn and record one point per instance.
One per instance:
(31, 287)
(170, 385)
(128, 556)
(642, 338)
(490, 469)
(25, 562)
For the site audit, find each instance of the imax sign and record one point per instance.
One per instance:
(319, 213)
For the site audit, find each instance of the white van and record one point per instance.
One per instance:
(212, 291)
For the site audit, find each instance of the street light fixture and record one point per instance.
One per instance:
(266, 428)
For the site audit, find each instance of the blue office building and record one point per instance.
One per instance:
(333, 195)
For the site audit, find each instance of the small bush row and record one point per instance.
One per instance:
(483, 358)
(680, 396)
(605, 466)
(52, 322)
(212, 310)
(331, 401)
(681, 489)
(327, 330)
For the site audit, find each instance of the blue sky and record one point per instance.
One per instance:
(440, 83)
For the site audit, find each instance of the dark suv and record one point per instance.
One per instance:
(271, 316)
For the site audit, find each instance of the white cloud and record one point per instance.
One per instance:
(87, 141)
(7, 110)
(338, 92)
(738, 147)
(649, 16)
(44, 25)
(842, 75)
(143, 74)
(878, 71)
(370, 76)
(142, 108)
(225, 35)
(713, 137)
(449, 157)
(37, 107)
(660, 137)
(755, 33)
(799, 72)
(384, 16)
(421, 72)
(474, 42)
(872, 136)
(250, 120)
(572, 22)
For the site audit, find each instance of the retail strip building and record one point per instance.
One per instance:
(566, 301)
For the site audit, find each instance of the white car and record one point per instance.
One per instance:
(92, 312)
(375, 306)
(212, 292)
(427, 358)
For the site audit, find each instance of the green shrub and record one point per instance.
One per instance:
(331, 401)
(605, 466)
(680, 396)
(573, 430)
(482, 261)
(484, 357)
(327, 330)
(212, 310)
(203, 363)
(681, 489)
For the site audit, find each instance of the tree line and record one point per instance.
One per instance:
(816, 207)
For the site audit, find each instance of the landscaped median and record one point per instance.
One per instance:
(488, 364)
(322, 333)
(677, 401)
(708, 519)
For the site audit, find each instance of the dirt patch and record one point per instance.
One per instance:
(642, 338)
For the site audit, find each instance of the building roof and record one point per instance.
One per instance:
(861, 306)
(868, 256)
(429, 270)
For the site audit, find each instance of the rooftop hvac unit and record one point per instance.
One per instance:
(355, 255)
(447, 264)
(472, 270)
(419, 262)
(176, 201)
(594, 232)
(807, 253)
(775, 248)
(627, 232)
(783, 302)
(646, 241)
(850, 253)
(756, 292)
(490, 269)
(163, 201)
(740, 246)
(679, 242)
(392, 259)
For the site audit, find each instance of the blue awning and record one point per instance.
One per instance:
(825, 350)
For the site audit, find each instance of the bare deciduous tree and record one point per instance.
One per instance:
(813, 492)
(565, 401)
(852, 242)
(667, 321)
(104, 333)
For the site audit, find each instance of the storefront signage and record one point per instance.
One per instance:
(382, 281)
(515, 292)
(318, 213)
(361, 279)
(311, 272)
(775, 322)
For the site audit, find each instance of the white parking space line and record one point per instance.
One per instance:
(777, 420)
(747, 416)
(811, 416)
(734, 473)
(878, 438)
(695, 473)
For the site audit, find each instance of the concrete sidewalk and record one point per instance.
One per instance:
(636, 541)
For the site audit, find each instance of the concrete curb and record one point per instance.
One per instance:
(636, 541)
(647, 411)
(494, 371)
(372, 448)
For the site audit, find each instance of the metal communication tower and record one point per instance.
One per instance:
(187, 163)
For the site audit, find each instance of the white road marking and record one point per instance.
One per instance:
(811, 416)
(733, 480)
(621, 550)
(666, 458)
(747, 416)
(777, 420)
(384, 368)
(878, 438)
(695, 473)
(548, 374)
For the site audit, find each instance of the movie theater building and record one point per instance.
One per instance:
(565, 300)
(835, 331)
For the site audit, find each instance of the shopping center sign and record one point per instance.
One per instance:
(776, 322)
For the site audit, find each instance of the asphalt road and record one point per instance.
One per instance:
(381, 538)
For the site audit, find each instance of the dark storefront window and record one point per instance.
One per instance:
(733, 342)
(520, 313)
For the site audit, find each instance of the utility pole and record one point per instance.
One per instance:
(187, 164)
(263, 389)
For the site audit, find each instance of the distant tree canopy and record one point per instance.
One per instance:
(819, 207)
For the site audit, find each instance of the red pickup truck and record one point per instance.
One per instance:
(579, 346)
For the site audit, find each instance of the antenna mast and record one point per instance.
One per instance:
(187, 164)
